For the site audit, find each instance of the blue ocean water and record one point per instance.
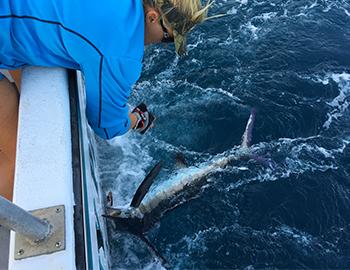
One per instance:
(290, 60)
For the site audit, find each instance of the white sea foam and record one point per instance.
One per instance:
(253, 29)
(265, 16)
(169, 71)
(199, 40)
(219, 90)
(314, 4)
(341, 102)
(232, 11)
(129, 167)
(301, 237)
(229, 39)
(338, 78)
(243, 2)
(224, 92)
(330, 4)
(296, 161)
(197, 241)
(165, 146)
(346, 12)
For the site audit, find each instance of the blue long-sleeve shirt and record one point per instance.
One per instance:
(103, 39)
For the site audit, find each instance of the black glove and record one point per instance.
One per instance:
(144, 118)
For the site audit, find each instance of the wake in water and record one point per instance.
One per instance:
(291, 60)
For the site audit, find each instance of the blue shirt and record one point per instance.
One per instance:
(104, 39)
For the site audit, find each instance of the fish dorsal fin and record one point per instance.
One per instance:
(248, 133)
(145, 185)
(180, 160)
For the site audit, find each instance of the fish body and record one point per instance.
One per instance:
(184, 185)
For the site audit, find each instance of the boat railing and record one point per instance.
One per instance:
(37, 233)
(14, 218)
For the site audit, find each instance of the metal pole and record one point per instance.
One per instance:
(17, 219)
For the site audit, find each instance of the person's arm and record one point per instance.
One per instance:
(108, 87)
(133, 120)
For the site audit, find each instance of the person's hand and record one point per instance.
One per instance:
(144, 118)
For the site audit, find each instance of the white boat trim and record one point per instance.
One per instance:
(45, 169)
(43, 176)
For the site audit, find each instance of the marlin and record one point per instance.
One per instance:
(145, 211)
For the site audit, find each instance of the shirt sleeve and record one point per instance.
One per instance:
(108, 87)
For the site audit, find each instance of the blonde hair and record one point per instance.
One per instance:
(193, 9)
(186, 13)
(181, 16)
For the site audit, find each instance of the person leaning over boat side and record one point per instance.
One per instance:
(106, 42)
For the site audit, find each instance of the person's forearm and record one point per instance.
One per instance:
(133, 120)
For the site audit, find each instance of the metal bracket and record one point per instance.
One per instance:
(55, 242)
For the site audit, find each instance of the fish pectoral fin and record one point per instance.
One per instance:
(155, 251)
(114, 212)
